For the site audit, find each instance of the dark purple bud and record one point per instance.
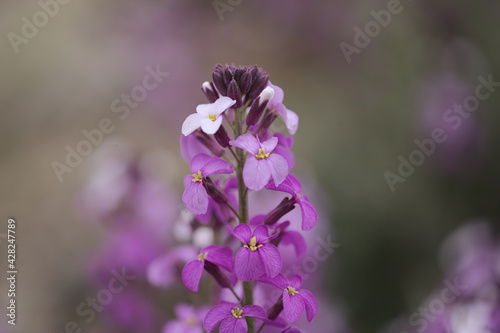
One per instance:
(222, 137)
(284, 207)
(228, 74)
(266, 122)
(219, 83)
(220, 278)
(259, 84)
(246, 82)
(233, 92)
(214, 191)
(258, 106)
(209, 143)
(276, 309)
(208, 89)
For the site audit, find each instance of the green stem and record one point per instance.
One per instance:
(261, 327)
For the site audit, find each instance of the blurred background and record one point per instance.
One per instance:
(363, 94)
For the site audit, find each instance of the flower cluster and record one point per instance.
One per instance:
(233, 152)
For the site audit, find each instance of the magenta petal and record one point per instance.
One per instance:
(279, 281)
(248, 265)
(257, 219)
(287, 155)
(261, 233)
(279, 168)
(246, 142)
(256, 172)
(198, 161)
(278, 94)
(310, 303)
(216, 166)
(215, 316)
(191, 274)
(271, 259)
(295, 281)
(188, 179)
(233, 325)
(242, 232)
(296, 239)
(221, 256)
(309, 215)
(293, 306)
(254, 311)
(195, 198)
(270, 144)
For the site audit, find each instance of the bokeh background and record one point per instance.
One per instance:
(356, 118)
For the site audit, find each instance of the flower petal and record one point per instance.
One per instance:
(279, 281)
(233, 325)
(204, 110)
(195, 198)
(295, 239)
(295, 281)
(256, 172)
(221, 105)
(287, 155)
(191, 274)
(215, 316)
(210, 127)
(271, 259)
(216, 166)
(309, 214)
(278, 94)
(221, 256)
(293, 306)
(248, 264)
(261, 233)
(310, 303)
(246, 142)
(190, 146)
(257, 219)
(242, 232)
(254, 311)
(198, 161)
(292, 121)
(270, 144)
(279, 168)
(191, 124)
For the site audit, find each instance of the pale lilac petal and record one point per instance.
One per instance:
(216, 166)
(221, 105)
(191, 124)
(293, 306)
(198, 161)
(271, 259)
(295, 239)
(242, 232)
(309, 214)
(173, 326)
(221, 256)
(254, 311)
(248, 264)
(261, 233)
(215, 316)
(191, 274)
(188, 179)
(246, 142)
(278, 94)
(310, 303)
(195, 198)
(292, 122)
(270, 144)
(210, 127)
(285, 186)
(295, 281)
(204, 110)
(256, 172)
(233, 325)
(279, 168)
(287, 155)
(284, 141)
(279, 281)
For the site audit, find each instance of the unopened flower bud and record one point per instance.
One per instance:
(219, 83)
(220, 278)
(214, 191)
(233, 92)
(259, 105)
(246, 82)
(208, 89)
(265, 123)
(222, 137)
(283, 208)
(260, 82)
(209, 143)
(276, 309)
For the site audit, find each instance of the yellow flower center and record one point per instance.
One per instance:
(197, 177)
(202, 256)
(212, 117)
(236, 312)
(253, 244)
(291, 290)
(262, 154)
(298, 195)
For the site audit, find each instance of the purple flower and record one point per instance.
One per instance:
(207, 116)
(283, 149)
(210, 258)
(291, 237)
(292, 186)
(255, 258)
(162, 272)
(289, 117)
(261, 164)
(189, 320)
(295, 300)
(195, 196)
(231, 317)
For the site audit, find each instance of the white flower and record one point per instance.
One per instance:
(207, 116)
